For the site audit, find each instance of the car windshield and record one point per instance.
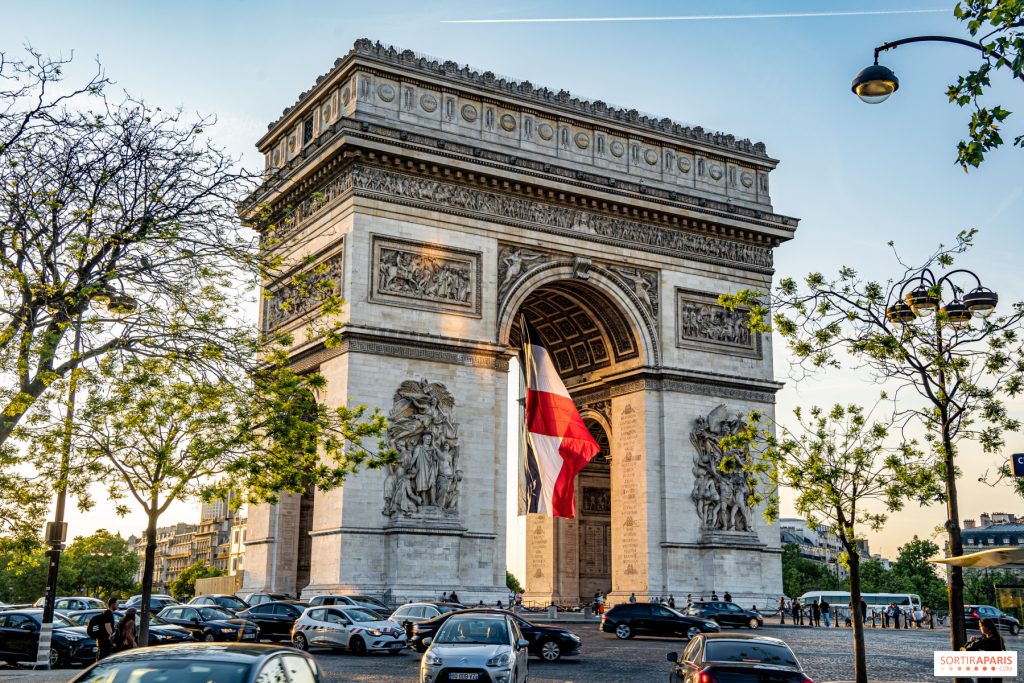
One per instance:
(214, 613)
(468, 631)
(368, 600)
(749, 651)
(233, 603)
(61, 620)
(167, 671)
(361, 615)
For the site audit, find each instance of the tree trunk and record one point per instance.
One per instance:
(147, 576)
(957, 627)
(860, 657)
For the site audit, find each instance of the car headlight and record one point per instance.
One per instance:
(500, 660)
(711, 624)
(375, 633)
(575, 637)
(430, 659)
(72, 637)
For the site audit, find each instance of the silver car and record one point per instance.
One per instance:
(488, 648)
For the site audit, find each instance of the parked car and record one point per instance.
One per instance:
(275, 619)
(975, 613)
(646, 619)
(254, 599)
(364, 601)
(70, 604)
(211, 623)
(19, 639)
(547, 642)
(726, 614)
(415, 612)
(476, 646)
(237, 663)
(736, 657)
(356, 629)
(157, 602)
(232, 603)
(160, 632)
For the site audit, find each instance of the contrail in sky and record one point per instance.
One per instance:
(701, 17)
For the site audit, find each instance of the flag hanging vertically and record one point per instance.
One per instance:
(558, 444)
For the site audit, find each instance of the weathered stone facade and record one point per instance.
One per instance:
(443, 204)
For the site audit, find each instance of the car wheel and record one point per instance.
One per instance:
(55, 659)
(1014, 629)
(300, 642)
(550, 651)
(753, 623)
(624, 631)
(692, 632)
(357, 646)
(209, 637)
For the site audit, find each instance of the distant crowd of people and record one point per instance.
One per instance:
(820, 612)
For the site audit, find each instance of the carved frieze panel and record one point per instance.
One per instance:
(643, 283)
(721, 496)
(703, 324)
(596, 501)
(514, 263)
(419, 275)
(302, 290)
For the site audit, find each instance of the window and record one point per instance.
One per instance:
(335, 617)
(299, 669)
(690, 651)
(661, 612)
(307, 130)
(272, 672)
(751, 652)
(317, 614)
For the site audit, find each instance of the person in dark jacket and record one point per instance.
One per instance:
(815, 619)
(988, 641)
(798, 617)
(782, 610)
(826, 616)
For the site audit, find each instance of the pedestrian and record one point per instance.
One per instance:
(863, 610)
(988, 641)
(600, 603)
(815, 619)
(826, 614)
(500, 606)
(453, 597)
(671, 601)
(101, 629)
(511, 598)
(632, 597)
(727, 597)
(124, 638)
(782, 609)
(797, 615)
(894, 615)
(519, 598)
(597, 594)
(714, 596)
(444, 596)
(689, 599)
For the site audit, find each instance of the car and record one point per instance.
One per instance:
(415, 612)
(157, 601)
(276, 618)
(254, 599)
(648, 619)
(19, 639)
(232, 603)
(364, 601)
(160, 632)
(70, 604)
(221, 662)
(549, 643)
(211, 623)
(726, 614)
(975, 613)
(736, 657)
(476, 646)
(356, 629)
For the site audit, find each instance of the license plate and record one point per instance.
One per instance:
(463, 677)
(249, 636)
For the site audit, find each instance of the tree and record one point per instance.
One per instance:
(875, 578)
(163, 432)
(101, 564)
(512, 582)
(979, 584)
(999, 23)
(22, 570)
(184, 586)
(836, 461)
(912, 573)
(800, 575)
(949, 376)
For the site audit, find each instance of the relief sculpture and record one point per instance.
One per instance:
(721, 497)
(707, 321)
(301, 293)
(426, 475)
(513, 262)
(644, 284)
(424, 277)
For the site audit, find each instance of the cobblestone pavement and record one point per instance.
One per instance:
(827, 655)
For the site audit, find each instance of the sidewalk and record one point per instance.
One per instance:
(30, 676)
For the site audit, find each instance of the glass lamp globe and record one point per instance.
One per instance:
(874, 84)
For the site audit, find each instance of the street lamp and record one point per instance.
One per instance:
(925, 298)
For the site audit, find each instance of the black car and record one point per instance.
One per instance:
(975, 613)
(232, 603)
(19, 639)
(222, 662)
(160, 632)
(547, 642)
(211, 623)
(275, 619)
(729, 657)
(648, 619)
(726, 614)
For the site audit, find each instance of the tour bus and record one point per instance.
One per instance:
(876, 602)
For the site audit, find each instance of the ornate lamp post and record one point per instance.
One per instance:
(921, 300)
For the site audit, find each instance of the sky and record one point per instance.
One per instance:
(856, 175)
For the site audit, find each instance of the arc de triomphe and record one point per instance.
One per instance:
(442, 202)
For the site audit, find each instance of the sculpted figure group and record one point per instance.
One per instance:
(720, 497)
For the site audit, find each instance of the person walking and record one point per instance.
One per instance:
(671, 601)
(727, 597)
(689, 599)
(714, 596)
(125, 638)
(815, 619)
(444, 596)
(600, 603)
(863, 611)
(101, 629)
(453, 597)
(826, 615)
(782, 609)
(597, 594)
(632, 597)
(988, 641)
(798, 619)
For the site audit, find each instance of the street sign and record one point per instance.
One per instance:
(1018, 464)
(57, 533)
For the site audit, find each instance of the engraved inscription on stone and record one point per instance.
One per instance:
(426, 477)
(413, 273)
(721, 497)
(300, 293)
(702, 321)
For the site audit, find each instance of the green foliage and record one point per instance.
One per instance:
(979, 584)
(184, 586)
(875, 578)
(912, 573)
(800, 575)
(512, 582)
(997, 25)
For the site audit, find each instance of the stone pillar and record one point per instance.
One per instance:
(630, 570)
(271, 545)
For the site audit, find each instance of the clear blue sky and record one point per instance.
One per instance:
(857, 175)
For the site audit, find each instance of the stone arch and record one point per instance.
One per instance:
(612, 297)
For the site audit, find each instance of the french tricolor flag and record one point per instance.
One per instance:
(558, 444)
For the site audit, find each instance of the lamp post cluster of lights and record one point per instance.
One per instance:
(925, 299)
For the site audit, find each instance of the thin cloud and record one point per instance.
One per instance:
(696, 17)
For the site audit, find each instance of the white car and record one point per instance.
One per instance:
(415, 612)
(487, 648)
(357, 630)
